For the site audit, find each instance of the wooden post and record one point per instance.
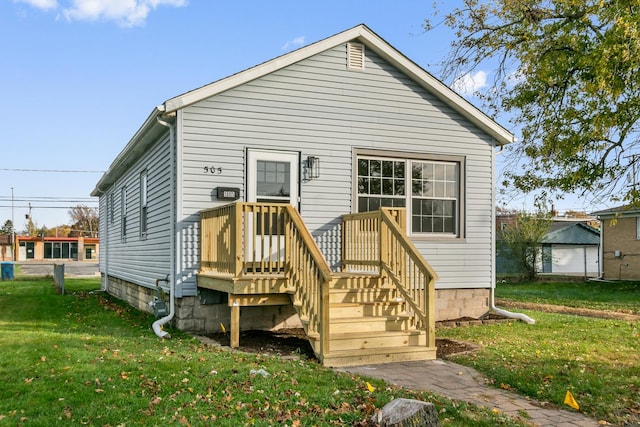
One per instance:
(236, 236)
(234, 338)
(325, 330)
(430, 295)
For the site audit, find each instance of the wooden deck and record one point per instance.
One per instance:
(379, 308)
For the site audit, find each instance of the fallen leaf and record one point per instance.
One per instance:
(370, 387)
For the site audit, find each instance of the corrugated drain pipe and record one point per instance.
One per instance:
(157, 325)
(492, 291)
(519, 316)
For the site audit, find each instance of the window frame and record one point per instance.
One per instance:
(144, 202)
(123, 214)
(110, 208)
(408, 158)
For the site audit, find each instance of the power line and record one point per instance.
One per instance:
(40, 207)
(50, 170)
(47, 199)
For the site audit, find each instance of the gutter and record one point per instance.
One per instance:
(171, 277)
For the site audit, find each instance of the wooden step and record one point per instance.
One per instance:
(356, 281)
(365, 340)
(371, 323)
(341, 310)
(343, 358)
(376, 294)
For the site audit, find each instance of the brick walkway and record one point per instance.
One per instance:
(466, 384)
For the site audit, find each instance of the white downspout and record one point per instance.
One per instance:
(172, 275)
(492, 304)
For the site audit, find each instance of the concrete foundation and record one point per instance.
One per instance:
(192, 315)
(456, 303)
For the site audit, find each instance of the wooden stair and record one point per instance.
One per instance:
(369, 324)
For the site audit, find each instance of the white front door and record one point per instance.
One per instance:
(272, 177)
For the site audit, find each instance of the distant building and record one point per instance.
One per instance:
(57, 248)
(620, 242)
(6, 245)
(570, 247)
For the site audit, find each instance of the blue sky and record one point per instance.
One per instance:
(80, 76)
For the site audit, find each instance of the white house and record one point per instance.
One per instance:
(344, 125)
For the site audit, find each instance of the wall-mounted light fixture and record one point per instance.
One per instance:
(313, 167)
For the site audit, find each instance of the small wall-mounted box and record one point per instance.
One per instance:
(228, 193)
(617, 254)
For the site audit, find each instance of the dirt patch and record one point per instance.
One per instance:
(293, 342)
(587, 312)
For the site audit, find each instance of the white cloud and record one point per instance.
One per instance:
(128, 13)
(293, 44)
(40, 4)
(470, 83)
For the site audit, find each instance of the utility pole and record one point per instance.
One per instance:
(13, 229)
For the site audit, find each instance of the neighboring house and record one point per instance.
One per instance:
(344, 125)
(57, 248)
(570, 247)
(620, 247)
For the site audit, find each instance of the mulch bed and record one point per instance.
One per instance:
(293, 342)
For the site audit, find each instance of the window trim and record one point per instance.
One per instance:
(409, 156)
(638, 228)
(144, 201)
(110, 208)
(123, 214)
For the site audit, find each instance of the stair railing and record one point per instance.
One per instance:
(411, 274)
(376, 241)
(270, 239)
(310, 274)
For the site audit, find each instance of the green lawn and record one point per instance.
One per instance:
(597, 360)
(616, 296)
(84, 359)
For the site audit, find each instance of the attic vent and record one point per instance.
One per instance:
(355, 56)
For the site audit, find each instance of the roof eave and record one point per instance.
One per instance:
(131, 152)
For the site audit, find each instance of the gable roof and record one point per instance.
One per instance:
(360, 33)
(574, 234)
(371, 40)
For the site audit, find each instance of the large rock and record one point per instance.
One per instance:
(407, 413)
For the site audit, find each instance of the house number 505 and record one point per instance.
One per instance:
(212, 170)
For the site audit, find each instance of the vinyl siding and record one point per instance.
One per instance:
(318, 107)
(140, 260)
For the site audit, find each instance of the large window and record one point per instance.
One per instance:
(58, 250)
(429, 188)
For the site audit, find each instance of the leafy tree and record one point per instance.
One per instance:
(84, 221)
(523, 241)
(57, 231)
(568, 73)
(31, 228)
(7, 227)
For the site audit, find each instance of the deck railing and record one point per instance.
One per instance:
(243, 240)
(377, 241)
